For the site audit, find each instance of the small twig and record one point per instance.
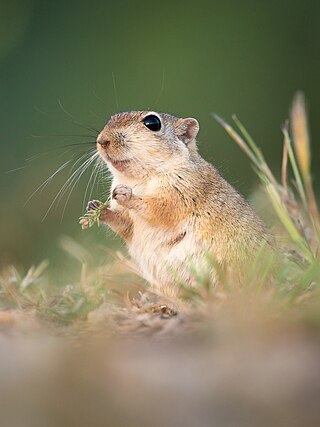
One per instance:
(284, 169)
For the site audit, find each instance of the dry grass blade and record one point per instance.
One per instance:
(282, 199)
(248, 146)
(301, 140)
(284, 169)
(300, 134)
(237, 138)
(263, 166)
(248, 139)
(294, 165)
(286, 220)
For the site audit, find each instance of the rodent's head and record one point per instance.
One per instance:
(140, 142)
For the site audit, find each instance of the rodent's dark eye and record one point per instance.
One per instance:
(152, 122)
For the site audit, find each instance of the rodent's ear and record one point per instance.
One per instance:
(187, 130)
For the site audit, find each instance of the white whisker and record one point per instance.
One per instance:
(104, 179)
(98, 172)
(93, 173)
(47, 181)
(72, 175)
(69, 182)
(84, 168)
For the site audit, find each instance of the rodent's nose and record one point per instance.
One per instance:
(102, 141)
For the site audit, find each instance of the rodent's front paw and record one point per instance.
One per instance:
(122, 194)
(93, 205)
(96, 211)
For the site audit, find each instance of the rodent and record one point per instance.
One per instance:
(170, 205)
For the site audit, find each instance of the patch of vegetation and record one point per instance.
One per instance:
(290, 291)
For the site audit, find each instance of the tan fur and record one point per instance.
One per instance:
(169, 204)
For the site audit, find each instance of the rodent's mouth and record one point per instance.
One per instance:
(120, 165)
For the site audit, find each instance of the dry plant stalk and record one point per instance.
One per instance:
(302, 224)
(301, 140)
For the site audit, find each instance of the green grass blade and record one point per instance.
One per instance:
(237, 138)
(288, 223)
(295, 167)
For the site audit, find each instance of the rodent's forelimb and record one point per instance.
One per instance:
(156, 210)
(118, 221)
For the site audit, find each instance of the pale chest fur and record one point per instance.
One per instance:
(140, 187)
(166, 255)
(163, 254)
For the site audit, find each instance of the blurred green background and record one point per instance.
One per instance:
(97, 58)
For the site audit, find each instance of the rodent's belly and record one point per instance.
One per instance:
(167, 256)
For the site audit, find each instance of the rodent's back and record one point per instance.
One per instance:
(228, 221)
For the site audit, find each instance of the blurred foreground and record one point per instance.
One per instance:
(231, 375)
